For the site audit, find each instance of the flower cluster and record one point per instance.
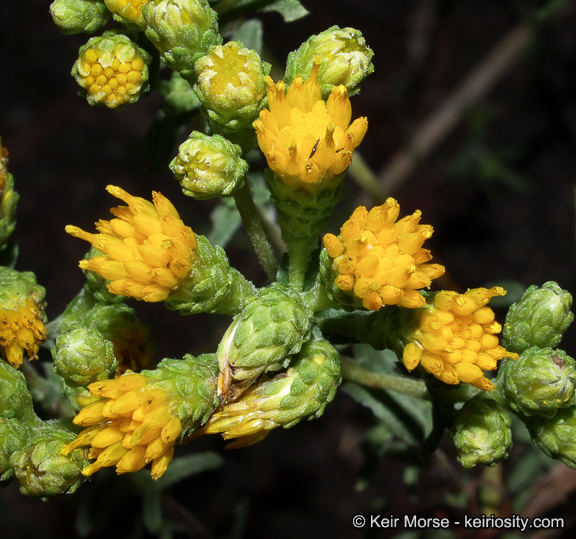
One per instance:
(381, 260)
(456, 338)
(148, 249)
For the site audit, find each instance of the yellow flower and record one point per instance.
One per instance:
(381, 260)
(308, 141)
(21, 316)
(132, 424)
(456, 338)
(127, 10)
(112, 70)
(21, 329)
(148, 249)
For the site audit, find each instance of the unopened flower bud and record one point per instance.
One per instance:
(112, 70)
(182, 30)
(8, 198)
(21, 315)
(555, 435)
(128, 12)
(41, 467)
(231, 88)
(83, 356)
(272, 327)
(13, 437)
(79, 16)
(540, 318)
(209, 166)
(540, 382)
(302, 392)
(130, 336)
(346, 59)
(481, 433)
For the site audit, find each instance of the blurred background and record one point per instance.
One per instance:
(472, 119)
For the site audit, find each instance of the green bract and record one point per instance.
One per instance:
(209, 166)
(79, 16)
(182, 30)
(346, 59)
(8, 199)
(13, 437)
(540, 382)
(83, 356)
(16, 401)
(481, 433)
(540, 318)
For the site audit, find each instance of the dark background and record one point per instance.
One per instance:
(498, 189)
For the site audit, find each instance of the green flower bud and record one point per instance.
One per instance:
(209, 166)
(21, 315)
(182, 30)
(79, 16)
(129, 336)
(302, 392)
(83, 356)
(112, 70)
(13, 437)
(346, 59)
(15, 399)
(8, 198)
(212, 286)
(271, 327)
(540, 382)
(231, 88)
(540, 318)
(128, 12)
(41, 467)
(555, 435)
(481, 433)
(180, 98)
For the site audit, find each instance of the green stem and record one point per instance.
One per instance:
(353, 372)
(363, 175)
(253, 224)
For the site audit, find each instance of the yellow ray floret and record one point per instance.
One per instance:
(381, 260)
(456, 339)
(308, 141)
(21, 330)
(130, 425)
(148, 249)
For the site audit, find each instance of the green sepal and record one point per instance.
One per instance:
(212, 286)
(540, 318)
(482, 433)
(539, 382)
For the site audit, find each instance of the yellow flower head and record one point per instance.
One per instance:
(381, 260)
(308, 141)
(21, 316)
(112, 70)
(456, 339)
(147, 248)
(132, 424)
(127, 11)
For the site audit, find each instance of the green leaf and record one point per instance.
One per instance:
(184, 467)
(250, 34)
(291, 10)
(152, 510)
